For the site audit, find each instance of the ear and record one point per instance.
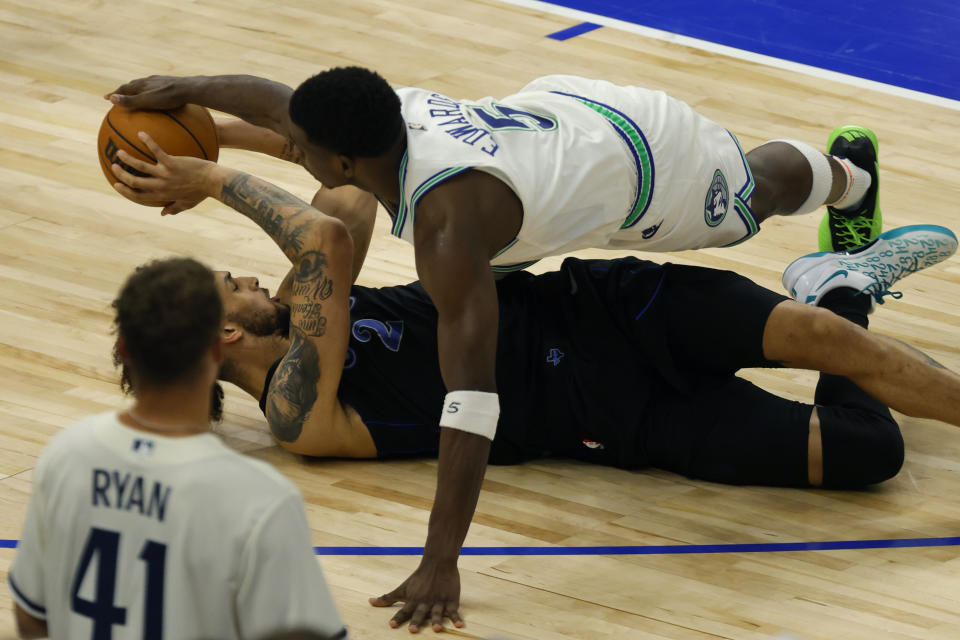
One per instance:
(348, 166)
(232, 332)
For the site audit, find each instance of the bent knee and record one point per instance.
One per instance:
(859, 448)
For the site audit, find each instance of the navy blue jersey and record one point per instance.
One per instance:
(576, 364)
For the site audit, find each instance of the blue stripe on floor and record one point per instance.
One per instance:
(669, 549)
(574, 31)
(914, 45)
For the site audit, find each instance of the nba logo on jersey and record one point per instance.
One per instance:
(715, 204)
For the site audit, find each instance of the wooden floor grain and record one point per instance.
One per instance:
(67, 241)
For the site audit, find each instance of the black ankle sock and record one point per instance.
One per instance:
(847, 303)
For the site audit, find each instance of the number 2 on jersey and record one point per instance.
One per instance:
(105, 545)
(390, 334)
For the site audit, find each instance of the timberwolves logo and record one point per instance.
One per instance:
(715, 204)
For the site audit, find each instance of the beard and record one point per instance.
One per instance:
(263, 322)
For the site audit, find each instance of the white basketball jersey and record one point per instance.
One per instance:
(135, 535)
(592, 163)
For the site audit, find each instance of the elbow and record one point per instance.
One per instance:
(331, 238)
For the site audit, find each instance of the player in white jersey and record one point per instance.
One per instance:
(590, 163)
(142, 523)
(565, 164)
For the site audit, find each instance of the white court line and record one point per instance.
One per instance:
(713, 47)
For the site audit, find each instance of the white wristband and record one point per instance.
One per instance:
(471, 411)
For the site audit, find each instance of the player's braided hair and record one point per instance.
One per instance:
(349, 110)
(168, 313)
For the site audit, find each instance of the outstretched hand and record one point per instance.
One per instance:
(431, 593)
(177, 182)
(154, 92)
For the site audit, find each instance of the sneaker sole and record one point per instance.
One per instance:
(884, 242)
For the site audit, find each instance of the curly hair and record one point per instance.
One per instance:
(350, 110)
(168, 314)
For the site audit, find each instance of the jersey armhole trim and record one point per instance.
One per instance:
(421, 191)
(34, 609)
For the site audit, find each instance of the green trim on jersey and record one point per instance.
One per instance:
(645, 169)
(746, 191)
(746, 215)
(430, 183)
(508, 268)
(509, 244)
(401, 206)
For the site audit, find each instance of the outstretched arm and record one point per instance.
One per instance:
(259, 101)
(453, 264)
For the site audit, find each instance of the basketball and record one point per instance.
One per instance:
(186, 131)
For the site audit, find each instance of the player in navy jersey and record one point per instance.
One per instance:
(621, 362)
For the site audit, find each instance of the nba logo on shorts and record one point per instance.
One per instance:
(715, 204)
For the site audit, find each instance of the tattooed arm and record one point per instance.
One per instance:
(303, 410)
(355, 207)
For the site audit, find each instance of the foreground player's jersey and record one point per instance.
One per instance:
(136, 535)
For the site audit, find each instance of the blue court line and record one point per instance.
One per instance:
(758, 547)
(574, 31)
(642, 550)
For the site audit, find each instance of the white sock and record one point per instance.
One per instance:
(858, 181)
(822, 176)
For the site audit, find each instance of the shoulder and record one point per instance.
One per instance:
(71, 439)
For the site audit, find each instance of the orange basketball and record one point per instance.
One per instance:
(187, 131)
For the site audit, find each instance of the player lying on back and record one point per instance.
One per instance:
(142, 523)
(619, 362)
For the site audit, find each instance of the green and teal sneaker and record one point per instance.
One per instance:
(843, 231)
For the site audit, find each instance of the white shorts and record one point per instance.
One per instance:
(701, 181)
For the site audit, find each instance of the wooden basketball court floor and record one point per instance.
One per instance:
(67, 241)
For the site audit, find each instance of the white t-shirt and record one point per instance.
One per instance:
(135, 535)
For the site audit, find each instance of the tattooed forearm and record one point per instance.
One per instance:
(291, 152)
(277, 212)
(293, 390)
